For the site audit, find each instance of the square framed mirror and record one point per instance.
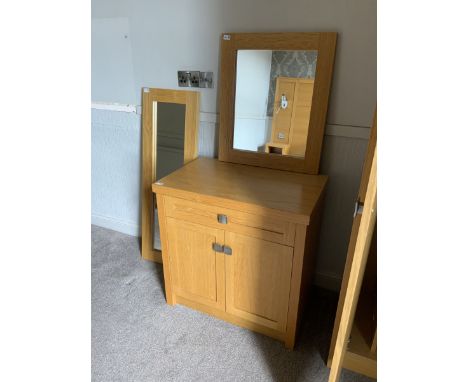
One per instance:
(170, 121)
(274, 92)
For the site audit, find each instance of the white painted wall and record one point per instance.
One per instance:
(252, 83)
(163, 37)
(184, 34)
(252, 86)
(112, 76)
(115, 170)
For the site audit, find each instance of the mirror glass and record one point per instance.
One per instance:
(169, 128)
(274, 93)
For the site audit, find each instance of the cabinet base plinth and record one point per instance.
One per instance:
(233, 319)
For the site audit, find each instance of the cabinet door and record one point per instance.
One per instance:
(300, 116)
(197, 271)
(258, 277)
(281, 123)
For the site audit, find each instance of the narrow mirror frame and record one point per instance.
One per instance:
(324, 43)
(191, 100)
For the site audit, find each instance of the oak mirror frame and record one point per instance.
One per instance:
(159, 107)
(324, 44)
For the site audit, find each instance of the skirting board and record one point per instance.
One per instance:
(118, 225)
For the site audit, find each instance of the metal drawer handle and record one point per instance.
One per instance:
(358, 208)
(222, 219)
(218, 247)
(222, 248)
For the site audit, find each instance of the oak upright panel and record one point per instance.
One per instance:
(361, 353)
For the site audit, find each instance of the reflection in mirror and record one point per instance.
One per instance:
(274, 92)
(169, 120)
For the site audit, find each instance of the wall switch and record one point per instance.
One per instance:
(195, 79)
(206, 79)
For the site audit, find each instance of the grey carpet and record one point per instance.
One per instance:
(136, 336)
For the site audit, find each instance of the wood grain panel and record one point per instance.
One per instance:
(300, 124)
(269, 228)
(197, 271)
(354, 232)
(301, 116)
(281, 123)
(258, 276)
(303, 271)
(287, 195)
(239, 321)
(361, 364)
(304, 92)
(170, 295)
(356, 274)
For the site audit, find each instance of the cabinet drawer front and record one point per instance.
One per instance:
(267, 228)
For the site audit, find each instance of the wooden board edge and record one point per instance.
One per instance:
(363, 242)
(353, 236)
(170, 296)
(155, 256)
(360, 364)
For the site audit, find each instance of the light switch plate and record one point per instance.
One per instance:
(194, 79)
(206, 79)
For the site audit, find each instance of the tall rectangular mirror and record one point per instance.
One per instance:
(169, 148)
(274, 97)
(170, 139)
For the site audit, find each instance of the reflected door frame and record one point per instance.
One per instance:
(288, 147)
(191, 100)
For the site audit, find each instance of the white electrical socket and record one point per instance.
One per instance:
(195, 79)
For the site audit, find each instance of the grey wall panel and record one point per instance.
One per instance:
(115, 170)
(208, 139)
(342, 161)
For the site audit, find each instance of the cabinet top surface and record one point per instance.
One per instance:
(252, 188)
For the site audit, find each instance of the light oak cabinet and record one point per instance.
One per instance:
(238, 242)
